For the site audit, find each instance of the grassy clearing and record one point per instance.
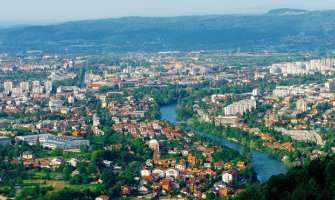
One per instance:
(58, 185)
(41, 175)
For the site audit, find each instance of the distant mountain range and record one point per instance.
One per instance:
(281, 29)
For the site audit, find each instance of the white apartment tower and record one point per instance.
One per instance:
(36, 83)
(301, 105)
(48, 86)
(8, 85)
(24, 86)
(239, 107)
(255, 92)
(330, 85)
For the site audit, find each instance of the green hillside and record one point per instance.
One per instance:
(316, 181)
(282, 30)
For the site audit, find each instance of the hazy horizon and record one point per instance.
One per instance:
(49, 11)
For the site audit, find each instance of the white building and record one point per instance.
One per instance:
(70, 99)
(181, 166)
(255, 92)
(96, 120)
(281, 91)
(8, 85)
(228, 176)
(330, 85)
(52, 142)
(24, 86)
(36, 83)
(301, 105)
(55, 103)
(4, 140)
(31, 139)
(308, 67)
(48, 86)
(16, 91)
(145, 172)
(239, 107)
(159, 171)
(172, 172)
(38, 89)
(154, 145)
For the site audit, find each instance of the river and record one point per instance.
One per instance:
(265, 166)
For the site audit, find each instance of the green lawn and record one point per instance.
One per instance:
(41, 175)
(58, 185)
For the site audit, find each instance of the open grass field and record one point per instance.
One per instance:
(58, 184)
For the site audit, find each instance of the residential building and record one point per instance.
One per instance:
(8, 85)
(239, 107)
(301, 105)
(4, 140)
(24, 86)
(228, 176)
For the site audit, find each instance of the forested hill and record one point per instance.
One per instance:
(316, 181)
(281, 29)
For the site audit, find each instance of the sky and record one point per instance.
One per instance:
(47, 11)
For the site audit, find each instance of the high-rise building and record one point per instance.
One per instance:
(38, 89)
(48, 86)
(36, 83)
(330, 85)
(24, 86)
(16, 91)
(239, 107)
(8, 85)
(301, 105)
(255, 92)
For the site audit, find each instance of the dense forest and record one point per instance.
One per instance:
(315, 181)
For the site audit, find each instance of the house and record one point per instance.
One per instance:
(197, 194)
(149, 163)
(181, 166)
(224, 192)
(156, 185)
(190, 182)
(219, 185)
(125, 190)
(184, 152)
(143, 190)
(102, 197)
(28, 155)
(228, 176)
(160, 171)
(73, 162)
(147, 179)
(165, 184)
(191, 159)
(209, 172)
(207, 165)
(240, 165)
(208, 152)
(155, 176)
(56, 161)
(184, 191)
(45, 163)
(107, 163)
(219, 164)
(145, 172)
(172, 172)
(75, 172)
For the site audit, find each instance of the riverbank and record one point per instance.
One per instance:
(264, 165)
(263, 149)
